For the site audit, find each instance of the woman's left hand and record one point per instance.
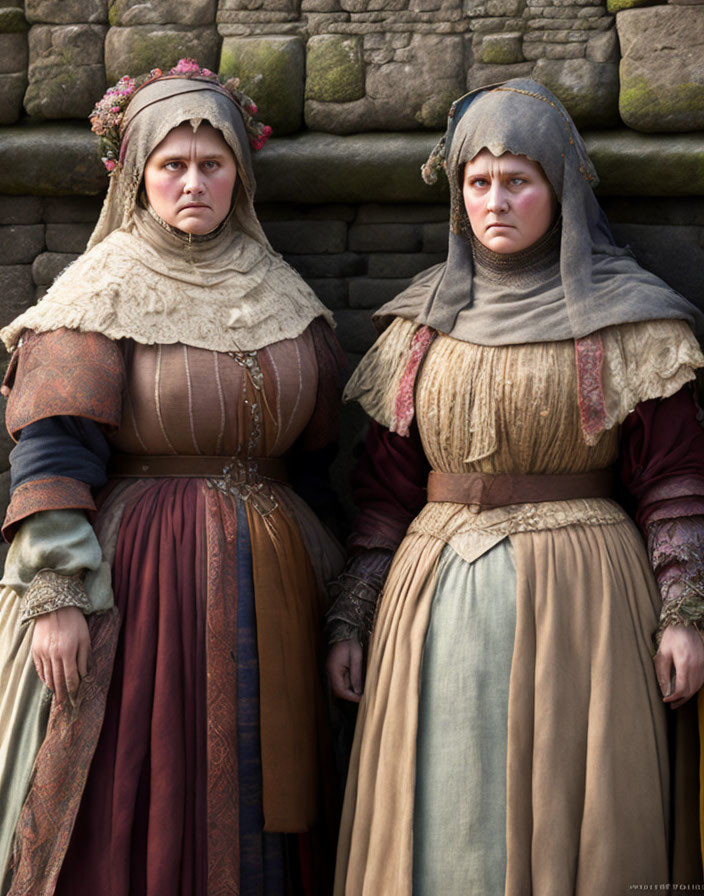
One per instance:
(679, 664)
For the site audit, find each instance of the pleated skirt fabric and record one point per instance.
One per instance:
(512, 738)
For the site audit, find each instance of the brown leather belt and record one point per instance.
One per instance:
(497, 490)
(196, 466)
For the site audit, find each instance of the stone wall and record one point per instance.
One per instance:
(346, 66)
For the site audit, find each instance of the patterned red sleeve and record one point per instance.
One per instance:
(64, 372)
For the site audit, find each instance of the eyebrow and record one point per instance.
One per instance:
(174, 156)
(518, 172)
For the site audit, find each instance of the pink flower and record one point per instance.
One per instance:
(110, 164)
(253, 109)
(185, 67)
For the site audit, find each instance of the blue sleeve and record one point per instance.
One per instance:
(74, 447)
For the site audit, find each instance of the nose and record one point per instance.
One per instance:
(193, 182)
(497, 198)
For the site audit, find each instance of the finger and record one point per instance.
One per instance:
(48, 674)
(57, 671)
(340, 684)
(356, 672)
(664, 670)
(83, 658)
(71, 677)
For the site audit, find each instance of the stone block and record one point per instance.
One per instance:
(681, 211)
(307, 238)
(376, 213)
(676, 254)
(589, 90)
(269, 6)
(66, 12)
(662, 68)
(501, 49)
(554, 51)
(355, 330)
(12, 20)
(385, 237)
(20, 210)
(484, 75)
(334, 69)
(21, 243)
(13, 53)
(72, 210)
(12, 88)
(331, 292)
(366, 292)
(435, 237)
(415, 93)
(505, 7)
(162, 12)
(28, 155)
(17, 291)
(66, 75)
(604, 47)
(383, 265)
(49, 265)
(320, 6)
(140, 48)
(312, 267)
(272, 71)
(279, 211)
(67, 237)
(362, 6)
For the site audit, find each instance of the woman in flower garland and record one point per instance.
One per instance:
(162, 722)
(512, 737)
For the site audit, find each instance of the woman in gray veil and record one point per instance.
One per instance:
(512, 734)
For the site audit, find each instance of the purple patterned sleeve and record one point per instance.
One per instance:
(676, 548)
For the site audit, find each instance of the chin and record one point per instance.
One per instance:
(502, 245)
(197, 228)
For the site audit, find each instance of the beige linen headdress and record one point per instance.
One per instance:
(144, 281)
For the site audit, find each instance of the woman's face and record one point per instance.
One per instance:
(510, 203)
(190, 178)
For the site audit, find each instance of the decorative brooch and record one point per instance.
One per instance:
(106, 117)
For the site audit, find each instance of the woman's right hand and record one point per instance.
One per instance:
(344, 668)
(61, 651)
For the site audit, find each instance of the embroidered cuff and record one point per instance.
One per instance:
(51, 591)
(354, 594)
(676, 548)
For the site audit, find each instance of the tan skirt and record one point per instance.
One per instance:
(587, 779)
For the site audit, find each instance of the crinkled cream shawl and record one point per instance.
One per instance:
(139, 281)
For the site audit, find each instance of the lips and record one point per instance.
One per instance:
(193, 205)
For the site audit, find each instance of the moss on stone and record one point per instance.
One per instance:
(12, 21)
(140, 48)
(501, 49)
(615, 6)
(649, 107)
(113, 12)
(271, 70)
(335, 69)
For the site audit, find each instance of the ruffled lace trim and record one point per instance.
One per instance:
(376, 382)
(235, 296)
(648, 359)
